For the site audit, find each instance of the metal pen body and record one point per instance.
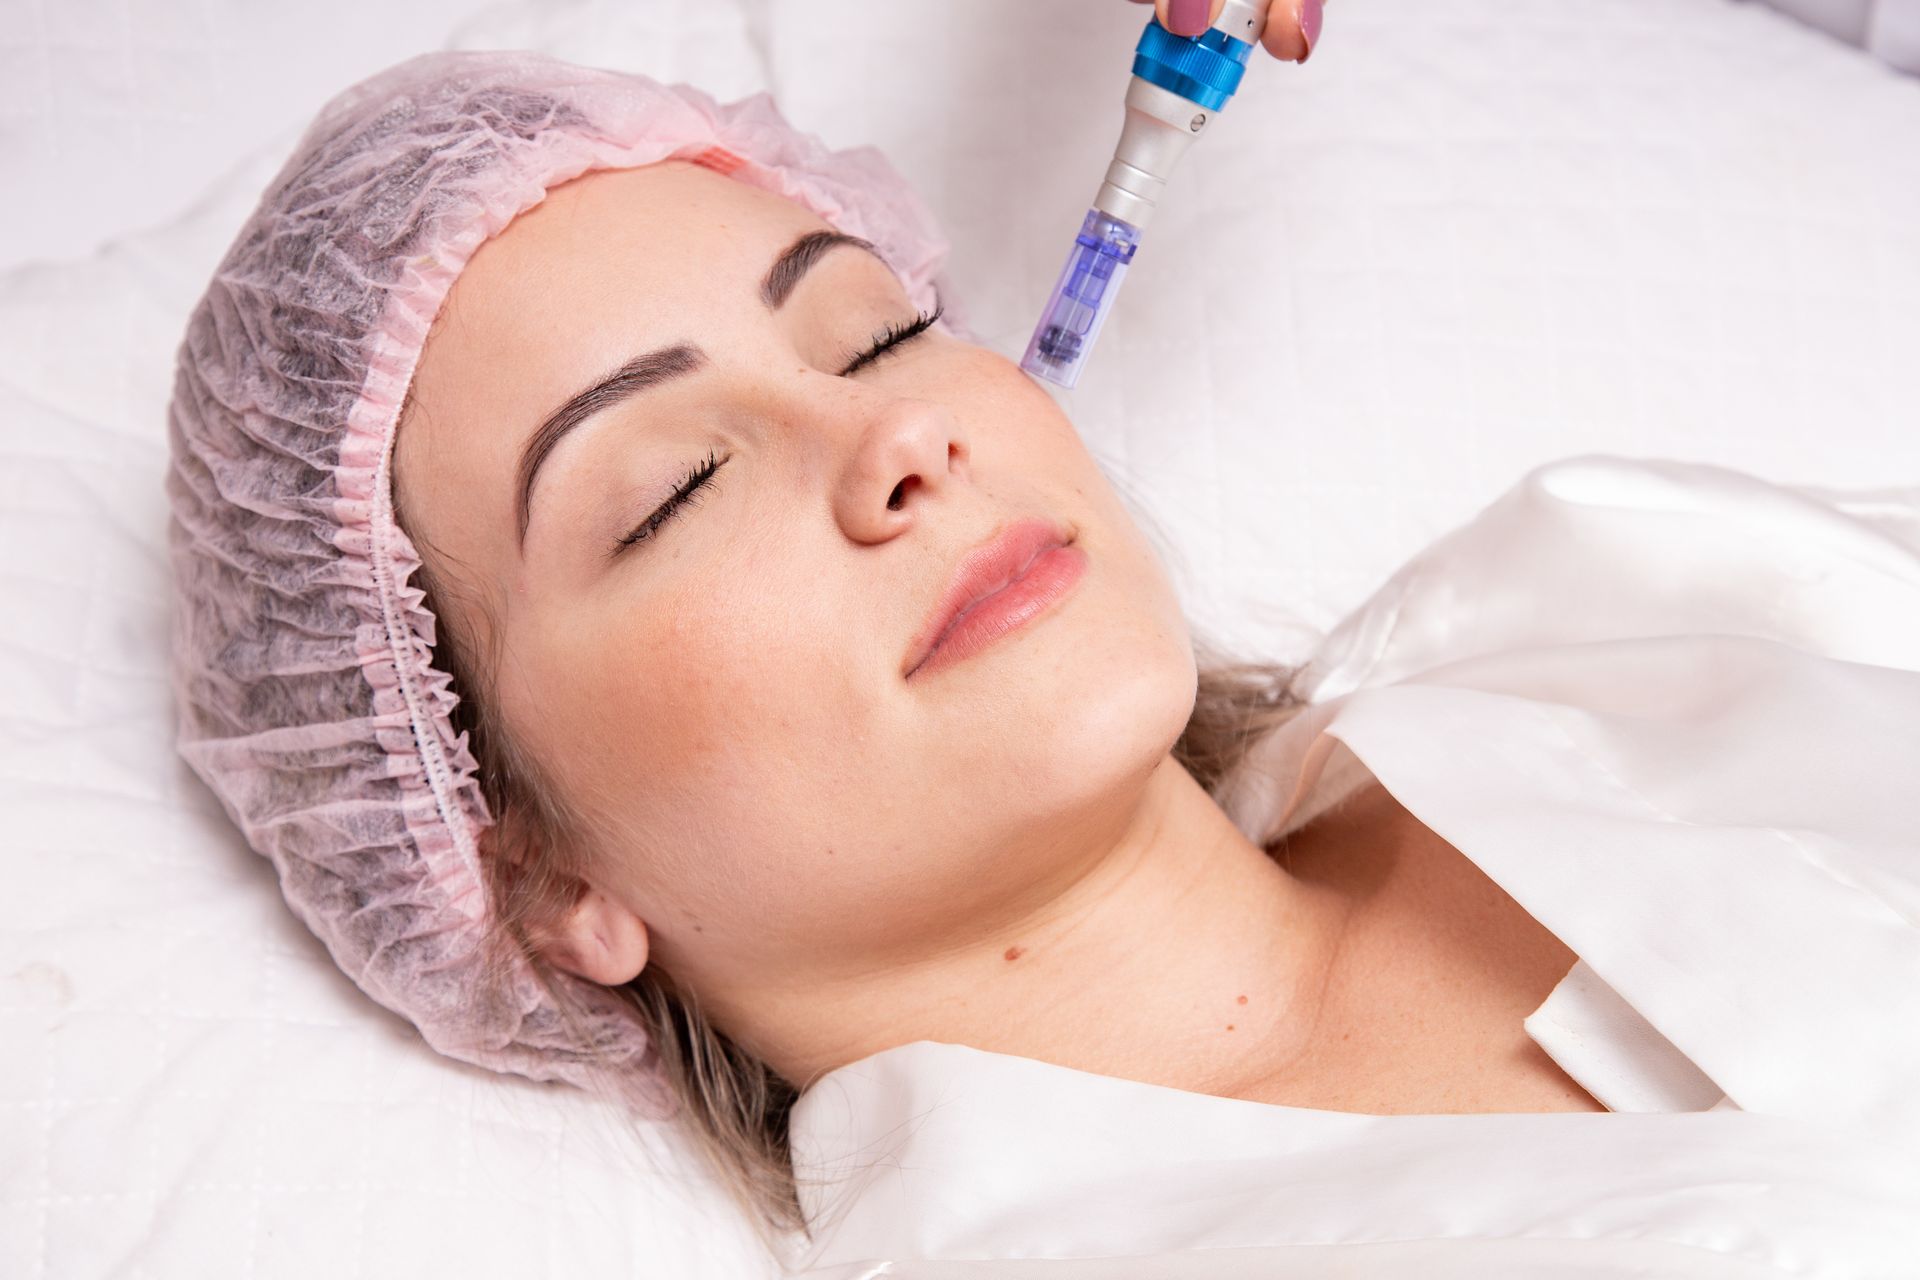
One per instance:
(1179, 84)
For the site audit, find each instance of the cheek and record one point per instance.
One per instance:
(1015, 426)
(723, 718)
(659, 696)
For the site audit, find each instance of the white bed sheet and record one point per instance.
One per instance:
(114, 113)
(1465, 239)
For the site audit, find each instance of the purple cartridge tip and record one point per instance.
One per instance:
(1081, 298)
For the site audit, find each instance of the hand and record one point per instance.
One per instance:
(1293, 26)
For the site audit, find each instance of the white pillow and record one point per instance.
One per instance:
(1464, 239)
(188, 1086)
(116, 115)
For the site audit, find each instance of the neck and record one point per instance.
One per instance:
(1184, 956)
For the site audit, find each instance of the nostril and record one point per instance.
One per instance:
(899, 494)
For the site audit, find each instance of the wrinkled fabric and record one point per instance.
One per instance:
(1674, 712)
(303, 656)
(1887, 29)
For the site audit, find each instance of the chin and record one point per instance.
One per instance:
(1108, 716)
(1145, 705)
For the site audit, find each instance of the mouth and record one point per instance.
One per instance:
(998, 586)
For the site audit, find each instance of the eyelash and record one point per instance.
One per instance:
(682, 496)
(685, 493)
(894, 335)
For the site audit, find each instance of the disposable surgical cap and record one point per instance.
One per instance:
(308, 695)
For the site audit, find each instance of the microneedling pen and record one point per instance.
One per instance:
(1179, 85)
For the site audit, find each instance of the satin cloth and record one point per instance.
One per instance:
(1674, 711)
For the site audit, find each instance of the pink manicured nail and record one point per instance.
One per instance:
(1187, 17)
(1310, 24)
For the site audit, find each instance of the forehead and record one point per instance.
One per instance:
(608, 266)
(675, 234)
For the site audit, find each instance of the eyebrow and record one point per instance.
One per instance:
(662, 365)
(799, 259)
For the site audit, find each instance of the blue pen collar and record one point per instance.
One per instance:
(1204, 69)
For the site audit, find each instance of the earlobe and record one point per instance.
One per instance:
(600, 940)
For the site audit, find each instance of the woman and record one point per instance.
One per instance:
(578, 529)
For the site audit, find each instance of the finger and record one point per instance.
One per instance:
(1187, 17)
(1293, 28)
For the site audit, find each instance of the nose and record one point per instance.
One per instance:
(909, 451)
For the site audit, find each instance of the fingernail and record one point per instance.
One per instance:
(1309, 24)
(1188, 17)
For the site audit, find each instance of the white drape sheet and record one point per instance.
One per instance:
(1674, 710)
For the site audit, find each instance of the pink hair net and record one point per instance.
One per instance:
(303, 658)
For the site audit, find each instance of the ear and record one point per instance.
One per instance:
(599, 940)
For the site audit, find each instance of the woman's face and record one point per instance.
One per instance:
(724, 698)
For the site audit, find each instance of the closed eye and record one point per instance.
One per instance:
(681, 496)
(893, 336)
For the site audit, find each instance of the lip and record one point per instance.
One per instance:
(1001, 561)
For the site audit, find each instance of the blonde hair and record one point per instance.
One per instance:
(734, 1107)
